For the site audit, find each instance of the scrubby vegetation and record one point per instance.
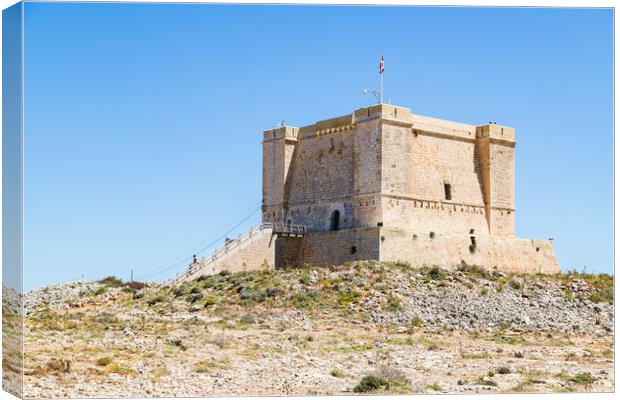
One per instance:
(367, 327)
(103, 361)
(113, 281)
(384, 380)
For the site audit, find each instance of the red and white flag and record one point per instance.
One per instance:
(381, 66)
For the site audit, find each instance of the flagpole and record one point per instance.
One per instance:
(381, 88)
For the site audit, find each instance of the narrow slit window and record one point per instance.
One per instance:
(447, 189)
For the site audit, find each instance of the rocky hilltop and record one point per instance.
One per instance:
(363, 327)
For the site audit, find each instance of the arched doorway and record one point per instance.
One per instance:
(334, 220)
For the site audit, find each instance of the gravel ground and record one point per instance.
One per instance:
(320, 331)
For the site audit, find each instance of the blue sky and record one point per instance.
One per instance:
(143, 121)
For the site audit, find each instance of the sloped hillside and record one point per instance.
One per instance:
(361, 327)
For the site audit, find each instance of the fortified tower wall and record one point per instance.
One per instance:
(331, 166)
(371, 183)
(384, 166)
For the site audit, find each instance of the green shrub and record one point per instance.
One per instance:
(603, 296)
(111, 281)
(337, 373)
(505, 339)
(155, 299)
(192, 298)
(514, 284)
(474, 271)
(211, 300)
(435, 273)
(601, 285)
(394, 305)
(120, 369)
(274, 291)
(503, 370)
(304, 277)
(308, 299)
(384, 379)
(485, 382)
(371, 383)
(179, 291)
(583, 378)
(250, 296)
(417, 321)
(248, 319)
(347, 298)
(58, 365)
(176, 342)
(103, 361)
(402, 265)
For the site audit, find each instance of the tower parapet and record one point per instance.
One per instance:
(278, 148)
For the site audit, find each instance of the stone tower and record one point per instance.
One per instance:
(385, 184)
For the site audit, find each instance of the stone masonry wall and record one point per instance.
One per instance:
(443, 217)
(328, 248)
(416, 168)
(445, 250)
(418, 165)
(502, 183)
(325, 162)
(255, 253)
(492, 252)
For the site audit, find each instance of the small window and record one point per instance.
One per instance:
(472, 246)
(334, 221)
(447, 189)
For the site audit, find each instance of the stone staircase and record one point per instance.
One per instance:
(251, 251)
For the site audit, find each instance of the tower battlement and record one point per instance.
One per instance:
(494, 131)
(282, 132)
